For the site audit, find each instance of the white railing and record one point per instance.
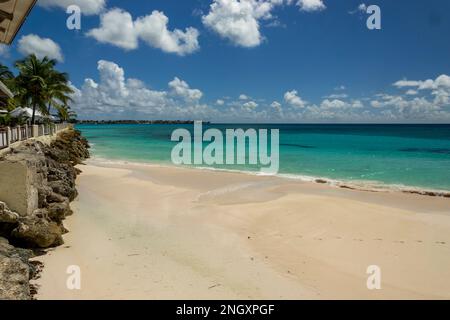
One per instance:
(10, 135)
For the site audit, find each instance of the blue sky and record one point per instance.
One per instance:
(289, 61)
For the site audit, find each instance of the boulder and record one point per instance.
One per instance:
(6, 215)
(15, 272)
(35, 232)
(57, 211)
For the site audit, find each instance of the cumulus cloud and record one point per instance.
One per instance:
(311, 5)
(239, 21)
(439, 87)
(115, 96)
(4, 50)
(292, 98)
(118, 28)
(442, 81)
(88, 7)
(243, 97)
(340, 104)
(153, 30)
(276, 105)
(412, 92)
(41, 47)
(337, 96)
(362, 8)
(250, 105)
(181, 89)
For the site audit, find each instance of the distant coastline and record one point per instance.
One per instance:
(138, 122)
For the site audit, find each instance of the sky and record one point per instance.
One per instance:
(312, 61)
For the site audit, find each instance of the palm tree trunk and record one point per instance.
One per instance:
(34, 113)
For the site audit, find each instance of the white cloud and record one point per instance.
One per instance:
(337, 96)
(239, 21)
(292, 98)
(250, 105)
(442, 81)
(412, 92)
(243, 97)
(276, 105)
(116, 97)
(311, 5)
(41, 47)
(88, 7)
(181, 89)
(118, 28)
(4, 50)
(153, 30)
(439, 87)
(362, 8)
(340, 104)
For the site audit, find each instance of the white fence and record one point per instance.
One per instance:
(11, 135)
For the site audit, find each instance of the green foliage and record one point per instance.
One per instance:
(65, 114)
(38, 85)
(5, 74)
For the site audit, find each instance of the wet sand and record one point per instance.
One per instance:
(151, 232)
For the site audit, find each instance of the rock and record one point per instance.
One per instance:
(49, 186)
(34, 232)
(64, 189)
(15, 272)
(43, 192)
(41, 213)
(7, 216)
(53, 197)
(58, 211)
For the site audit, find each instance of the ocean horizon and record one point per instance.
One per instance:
(367, 156)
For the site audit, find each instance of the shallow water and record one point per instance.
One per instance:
(390, 155)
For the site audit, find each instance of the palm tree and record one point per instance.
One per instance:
(65, 114)
(5, 74)
(34, 78)
(58, 92)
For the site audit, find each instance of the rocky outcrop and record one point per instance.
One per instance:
(15, 272)
(50, 170)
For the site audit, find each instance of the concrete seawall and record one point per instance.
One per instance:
(19, 180)
(37, 184)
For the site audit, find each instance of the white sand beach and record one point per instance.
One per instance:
(150, 232)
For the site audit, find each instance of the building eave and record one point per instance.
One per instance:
(18, 10)
(4, 91)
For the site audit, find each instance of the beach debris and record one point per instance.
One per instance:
(214, 286)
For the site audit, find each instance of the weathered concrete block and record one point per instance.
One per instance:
(17, 187)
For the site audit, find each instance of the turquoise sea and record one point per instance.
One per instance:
(371, 155)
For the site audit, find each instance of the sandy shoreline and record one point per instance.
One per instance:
(144, 232)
